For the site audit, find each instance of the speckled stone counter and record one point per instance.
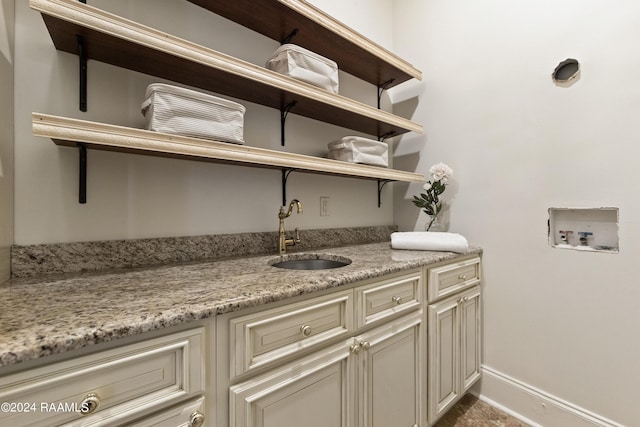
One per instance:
(52, 315)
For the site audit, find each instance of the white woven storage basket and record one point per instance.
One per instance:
(302, 64)
(355, 149)
(180, 111)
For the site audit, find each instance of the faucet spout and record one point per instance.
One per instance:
(294, 202)
(283, 242)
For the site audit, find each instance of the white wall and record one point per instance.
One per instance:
(6, 135)
(132, 196)
(562, 324)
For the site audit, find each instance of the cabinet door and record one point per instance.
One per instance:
(454, 349)
(311, 392)
(444, 351)
(470, 337)
(390, 372)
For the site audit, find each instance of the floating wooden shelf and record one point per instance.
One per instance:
(112, 39)
(320, 33)
(73, 132)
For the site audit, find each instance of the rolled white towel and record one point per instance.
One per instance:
(429, 241)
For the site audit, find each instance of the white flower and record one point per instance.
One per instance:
(427, 186)
(441, 172)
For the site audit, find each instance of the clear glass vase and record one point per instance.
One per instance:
(434, 223)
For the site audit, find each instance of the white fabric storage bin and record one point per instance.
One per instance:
(355, 149)
(180, 111)
(302, 64)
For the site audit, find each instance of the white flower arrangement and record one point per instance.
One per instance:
(429, 200)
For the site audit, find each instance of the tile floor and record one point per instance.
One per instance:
(472, 412)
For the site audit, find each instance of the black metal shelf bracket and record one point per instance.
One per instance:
(284, 111)
(381, 88)
(285, 177)
(289, 37)
(82, 56)
(387, 135)
(82, 174)
(381, 184)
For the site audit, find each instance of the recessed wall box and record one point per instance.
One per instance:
(584, 229)
(566, 72)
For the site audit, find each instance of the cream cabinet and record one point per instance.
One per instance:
(312, 392)
(369, 380)
(128, 385)
(454, 334)
(355, 357)
(390, 372)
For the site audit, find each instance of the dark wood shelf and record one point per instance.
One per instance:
(71, 132)
(115, 40)
(318, 32)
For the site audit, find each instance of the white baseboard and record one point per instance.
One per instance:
(531, 405)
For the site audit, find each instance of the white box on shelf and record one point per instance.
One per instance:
(356, 149)
(181, 111)
(302, 64)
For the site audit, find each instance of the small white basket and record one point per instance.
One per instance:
(180, 111)
(302, 64)
(355, 149)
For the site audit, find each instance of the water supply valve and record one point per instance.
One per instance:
(564, 236)
(584, 237)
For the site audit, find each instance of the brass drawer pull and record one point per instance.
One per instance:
(89, 404)
(462, 277)
(397, 300)
(196, 419)
(306, 330)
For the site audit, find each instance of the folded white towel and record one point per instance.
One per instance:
(429, 241)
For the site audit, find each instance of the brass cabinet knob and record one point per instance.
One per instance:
(306, 330)
(355, 348)
(196, 420)
(89, 404)
(366, 345)
(397, 300)
(462, 277)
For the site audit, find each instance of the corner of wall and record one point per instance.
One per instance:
(6, 135)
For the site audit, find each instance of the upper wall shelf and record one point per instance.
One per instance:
(320, 33)
(73, 132)
(112, 39)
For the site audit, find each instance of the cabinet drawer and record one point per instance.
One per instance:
(187, 414)
(123, 382)
(451, 278)
(386, 298)
(269, 335)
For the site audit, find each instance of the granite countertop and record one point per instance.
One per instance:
(51, 315)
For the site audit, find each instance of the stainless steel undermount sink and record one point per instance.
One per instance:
(310, 262)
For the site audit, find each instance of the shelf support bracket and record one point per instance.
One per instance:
(284, 111)
(381, 184)
(285, 177)
(289, 37)
(386, 136)
(82, 174)
(82, 55)
(381, 88)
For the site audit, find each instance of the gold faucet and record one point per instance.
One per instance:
(283, 242)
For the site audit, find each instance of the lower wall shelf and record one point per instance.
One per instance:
(70, 132)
